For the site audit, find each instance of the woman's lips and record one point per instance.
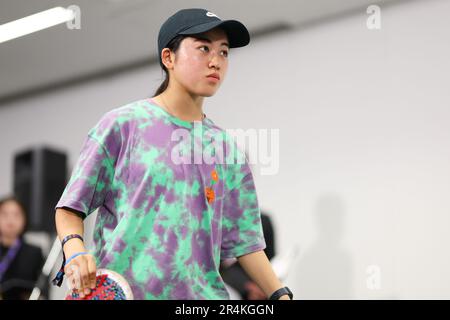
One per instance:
(213, 78)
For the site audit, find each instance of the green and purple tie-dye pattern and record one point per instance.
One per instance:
(155, 225)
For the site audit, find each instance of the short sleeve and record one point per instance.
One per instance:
(94, 170)
(242, 231)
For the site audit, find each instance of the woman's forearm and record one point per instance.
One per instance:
(67, 223)
(258, 267)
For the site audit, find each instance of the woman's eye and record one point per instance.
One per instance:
(224, 52)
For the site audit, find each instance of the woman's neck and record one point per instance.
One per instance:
(7, 241)
(181, 104)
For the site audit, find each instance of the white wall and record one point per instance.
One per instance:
(363, 118)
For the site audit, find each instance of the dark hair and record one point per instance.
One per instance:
(22, 208)
(173, 45)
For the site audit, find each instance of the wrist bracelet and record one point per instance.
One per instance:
(74, 256)
(69, 237)
(57, 281)
(281, 292)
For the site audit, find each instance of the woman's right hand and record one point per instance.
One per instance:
(81, 274)
(80, 271)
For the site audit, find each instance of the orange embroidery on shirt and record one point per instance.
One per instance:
(210, 195)
(214, 176)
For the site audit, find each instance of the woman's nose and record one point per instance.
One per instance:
(215, 60)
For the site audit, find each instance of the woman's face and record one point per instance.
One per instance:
(12, 220)
(196, 59)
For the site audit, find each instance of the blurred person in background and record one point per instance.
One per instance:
(20, 262)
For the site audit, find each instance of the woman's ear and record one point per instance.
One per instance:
(167, 58)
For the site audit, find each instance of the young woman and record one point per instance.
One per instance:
(20, 262)
(167, 217)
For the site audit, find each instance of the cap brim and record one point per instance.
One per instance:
(238, 35)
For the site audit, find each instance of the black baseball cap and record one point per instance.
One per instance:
(196, 20)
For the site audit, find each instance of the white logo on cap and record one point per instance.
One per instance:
(210, 14)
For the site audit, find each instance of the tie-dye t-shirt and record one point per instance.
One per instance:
(166, 215)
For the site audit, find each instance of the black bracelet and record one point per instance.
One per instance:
(57, 281)
(70, 236)
(281, 292)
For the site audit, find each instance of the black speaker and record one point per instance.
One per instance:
(40, 176)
